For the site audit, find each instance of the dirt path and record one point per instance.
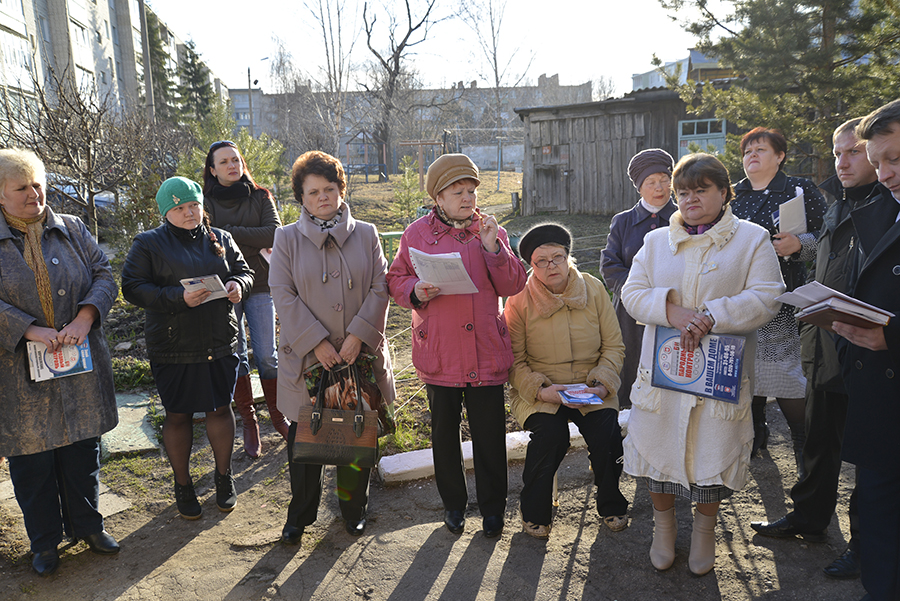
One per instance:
(407, 555)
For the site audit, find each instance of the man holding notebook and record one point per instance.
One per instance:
(815, 495)
(870, 359)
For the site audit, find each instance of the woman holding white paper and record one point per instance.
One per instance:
(757, 198)
(707, 272)
(191, 340)
(564, 331)
(461, 347)
(57, 288)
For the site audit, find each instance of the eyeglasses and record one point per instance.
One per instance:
(220, 144)
(545, 263)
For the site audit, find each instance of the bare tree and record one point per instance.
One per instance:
(82, 136)
(331, 15)
(604, 87)
(390, 74)
(485, 18)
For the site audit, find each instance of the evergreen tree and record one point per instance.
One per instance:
(263, 154)
(803, 66)
(163, 88)
(196, 92)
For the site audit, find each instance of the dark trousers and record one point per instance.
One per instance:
(547, 448)
(879, 526)
(59, 490)
(306, 488)
(815, 496)
(487, 425)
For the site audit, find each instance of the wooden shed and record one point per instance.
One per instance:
(576, 155)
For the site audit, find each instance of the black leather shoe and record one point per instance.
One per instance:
(784, 529)
(45, 562)
(845, 567)
(493, 525)
(291, 535)
(455, 521)
(355, 528)
(102, 543)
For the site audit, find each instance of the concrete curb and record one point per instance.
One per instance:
(415, 465)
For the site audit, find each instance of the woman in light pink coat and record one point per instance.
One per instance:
(327, 278)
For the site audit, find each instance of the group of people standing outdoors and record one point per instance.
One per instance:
(695, 254)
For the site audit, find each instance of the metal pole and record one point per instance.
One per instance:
(499, 160)
(250, 100)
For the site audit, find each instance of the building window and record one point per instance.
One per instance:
(45, 30)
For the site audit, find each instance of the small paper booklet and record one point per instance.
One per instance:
(713, 370)
(821, 305)
(69, 360)
(266, 253)
(575, 394)
(444, 270)
(790, 218)
(209, 282)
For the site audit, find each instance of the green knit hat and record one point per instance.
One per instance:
(176, 191)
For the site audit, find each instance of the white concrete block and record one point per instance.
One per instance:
(419, 464)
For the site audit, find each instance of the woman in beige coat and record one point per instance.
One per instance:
(707, 272)
(564, 331)
(327, 279)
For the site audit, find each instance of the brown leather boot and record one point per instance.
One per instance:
(270, 390)
(243, 398)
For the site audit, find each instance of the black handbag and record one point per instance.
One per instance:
(338, 436)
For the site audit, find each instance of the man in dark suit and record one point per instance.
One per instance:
(870, 360)
(815, 494)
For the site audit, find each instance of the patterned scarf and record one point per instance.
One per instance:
(458, 224)
(694, 230)
(327, 225)
(34, 258)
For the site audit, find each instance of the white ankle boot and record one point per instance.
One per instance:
(703, 544)
(665, 529)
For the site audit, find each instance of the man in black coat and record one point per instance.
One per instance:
(870, 359)
(815, 495)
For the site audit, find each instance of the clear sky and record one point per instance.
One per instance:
(580, 40)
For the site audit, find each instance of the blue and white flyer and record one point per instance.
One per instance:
(69, 360)
(713, 370)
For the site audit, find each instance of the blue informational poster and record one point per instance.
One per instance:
(713, 370)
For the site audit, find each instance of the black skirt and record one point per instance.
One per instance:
(196, 387)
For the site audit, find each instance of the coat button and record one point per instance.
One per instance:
(335, 274)
(339, 342)
(338, 307)
(469, 327)
(896, 270)
(209, 358)
(472, 375)
(287, 350)
(889, 373)
(55, 261)
(61, 292)
(422, 334)
(652, 226)
(859, 365)
(831, 255)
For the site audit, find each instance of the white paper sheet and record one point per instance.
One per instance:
(444, 270)
(815, 292)
(792, 215)
(208, 282)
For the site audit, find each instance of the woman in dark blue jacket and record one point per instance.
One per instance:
(191, 338)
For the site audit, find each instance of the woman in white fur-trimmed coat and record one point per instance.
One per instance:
(707, 272)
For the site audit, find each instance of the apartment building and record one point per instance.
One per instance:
(99, 42)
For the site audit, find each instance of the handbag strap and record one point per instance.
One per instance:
(359, 418)
(315, 420)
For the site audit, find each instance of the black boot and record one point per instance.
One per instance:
(186, 501)
(760, 427)
(226, 494)
(798, 438)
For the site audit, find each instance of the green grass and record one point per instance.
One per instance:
(130, 373)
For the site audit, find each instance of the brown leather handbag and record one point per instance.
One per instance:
(338, 429)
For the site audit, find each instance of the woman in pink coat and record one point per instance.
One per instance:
(461, 347)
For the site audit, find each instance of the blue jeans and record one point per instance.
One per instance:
(260, 313)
